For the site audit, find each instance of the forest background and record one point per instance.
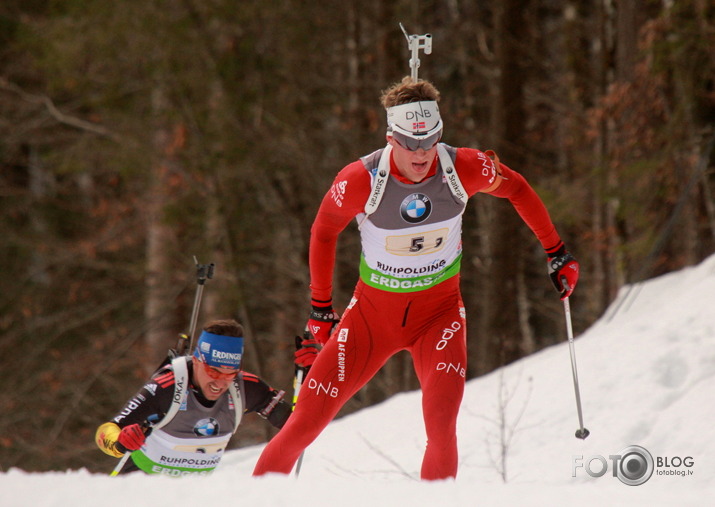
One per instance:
(136, 135)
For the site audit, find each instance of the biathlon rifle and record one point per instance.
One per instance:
(414, 44)
(185, 344)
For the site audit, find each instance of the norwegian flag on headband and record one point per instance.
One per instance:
(419, 125)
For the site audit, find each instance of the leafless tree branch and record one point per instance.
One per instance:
(55, 112)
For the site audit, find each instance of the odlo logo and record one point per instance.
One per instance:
(447, 334)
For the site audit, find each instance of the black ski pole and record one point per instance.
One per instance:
(581, 432)
(203, 272)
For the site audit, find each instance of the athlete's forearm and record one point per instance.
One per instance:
(323, 243)
(529, 206)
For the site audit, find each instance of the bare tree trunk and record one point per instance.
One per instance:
(41, 186)
(353, 58)
(528, 340)
(709, 201)
(626, 43)
(621, 33)
(158, 308)
(605, 253)
(686, 234)
(479, 350)
(599, 251)
(215, 232)
(508, 230)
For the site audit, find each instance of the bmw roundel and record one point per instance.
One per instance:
(415, 208)
(206, 427)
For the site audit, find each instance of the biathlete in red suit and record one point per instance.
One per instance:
(408, 199)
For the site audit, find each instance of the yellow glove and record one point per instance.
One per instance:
(106, 438)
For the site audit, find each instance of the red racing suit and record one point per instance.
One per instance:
(407, 298)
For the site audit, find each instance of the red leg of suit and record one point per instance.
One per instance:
(378, 325)
(441, 362)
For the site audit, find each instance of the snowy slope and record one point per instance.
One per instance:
(647, 378)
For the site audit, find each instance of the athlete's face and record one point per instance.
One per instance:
(213, 382)
(413, 165)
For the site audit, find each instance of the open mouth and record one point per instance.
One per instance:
(214, 390)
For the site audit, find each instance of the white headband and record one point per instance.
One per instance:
(415, 119)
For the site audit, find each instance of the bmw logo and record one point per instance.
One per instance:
(206, 427)
(416, 208)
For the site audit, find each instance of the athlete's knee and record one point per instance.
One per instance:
(441, 419)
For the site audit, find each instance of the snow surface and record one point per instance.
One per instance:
(647, 378)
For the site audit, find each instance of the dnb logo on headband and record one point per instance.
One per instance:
(415, 118)
(415, 208)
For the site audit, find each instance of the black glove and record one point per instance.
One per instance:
(321, 322)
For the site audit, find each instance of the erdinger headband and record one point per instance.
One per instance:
(415, 119)
(219, 351)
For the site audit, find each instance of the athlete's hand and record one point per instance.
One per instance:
(563, 270)
(321, 322)
(132, 437)
(307, 351)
